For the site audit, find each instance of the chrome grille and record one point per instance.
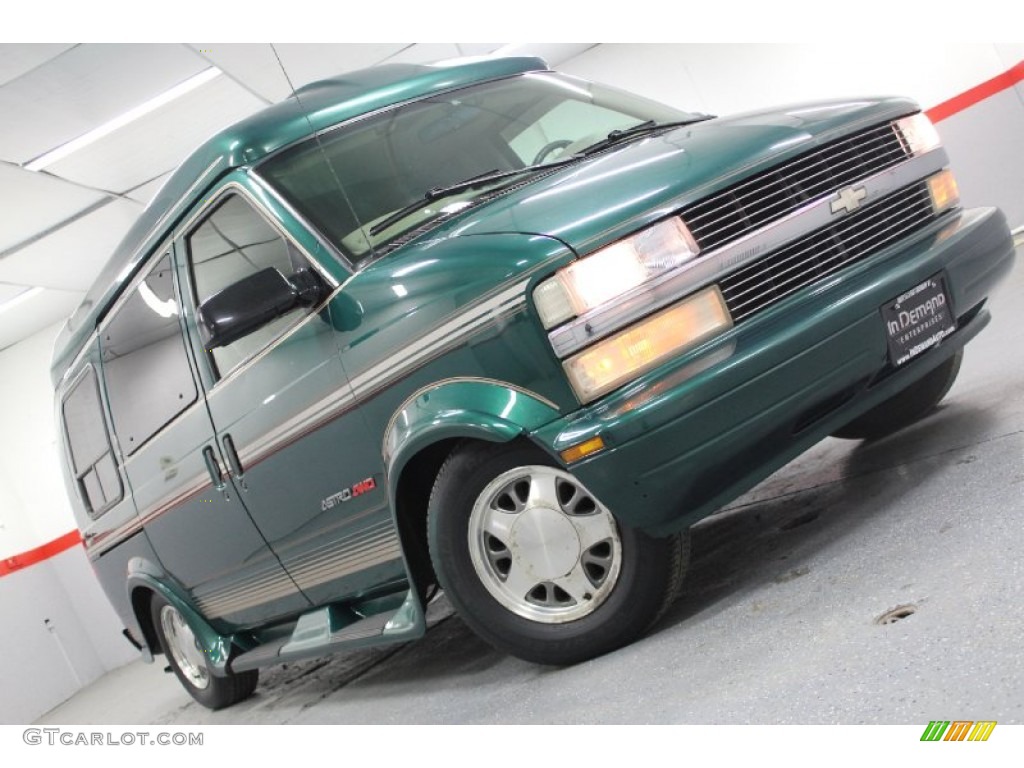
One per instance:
(771, 194)
(825, 251)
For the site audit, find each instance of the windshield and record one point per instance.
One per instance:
(358, 176)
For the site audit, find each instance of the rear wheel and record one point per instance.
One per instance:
(536, 565)
(906, 407)
(190, 664)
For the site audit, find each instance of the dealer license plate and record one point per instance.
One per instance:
(918, 320)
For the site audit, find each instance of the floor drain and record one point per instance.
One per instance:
(895, 614)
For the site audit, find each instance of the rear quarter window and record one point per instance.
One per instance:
(92, 460)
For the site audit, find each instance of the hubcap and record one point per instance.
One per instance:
(543, 546)
(183, 646)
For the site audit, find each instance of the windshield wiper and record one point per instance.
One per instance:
(473, 182)
(641, 129)
(489, 177)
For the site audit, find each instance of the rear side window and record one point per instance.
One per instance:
(145, 364)
(89, 445)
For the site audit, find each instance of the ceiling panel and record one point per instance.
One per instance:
(71, 257)
(34, 314)
(424, 53)
(84, 88)
(252, 65)
(8, 291)
(555, 53)
(476, 49)
(33, 202)
(158, 142)
(18, 58)
(1010, 53)
(308, 62)
(146, 192)
(51, 94)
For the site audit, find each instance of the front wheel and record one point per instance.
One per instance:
(188, 660)
(536, 565)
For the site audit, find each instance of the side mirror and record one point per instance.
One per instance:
(252, 302)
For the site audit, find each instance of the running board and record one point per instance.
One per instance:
(332, 629)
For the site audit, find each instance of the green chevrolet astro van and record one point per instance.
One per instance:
(491, 329)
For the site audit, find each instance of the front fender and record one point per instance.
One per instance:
(467, 407)
(142, 573)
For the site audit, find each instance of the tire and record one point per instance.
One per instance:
(906, 407)
(189, 663)
(536, 565)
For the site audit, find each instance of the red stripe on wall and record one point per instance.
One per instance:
(1008, 79)
(37, 555)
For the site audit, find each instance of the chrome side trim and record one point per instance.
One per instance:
(250, 361)
(362, 549)
(181, 231)
(86, 345)
(463, 325)
(302, 220)
(324, 409)
(100, 543)
(708, 268)
(340, 557)
(147, 246)
(450, 332)
(144, 271)
(255, 590)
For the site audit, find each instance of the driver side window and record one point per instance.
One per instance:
(232, 243)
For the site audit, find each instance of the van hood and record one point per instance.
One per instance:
(602, 198)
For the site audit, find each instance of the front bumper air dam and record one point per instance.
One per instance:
(698, 432)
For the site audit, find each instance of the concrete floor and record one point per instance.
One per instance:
(778, 620)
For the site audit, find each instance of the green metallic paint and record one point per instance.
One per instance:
(395, 345)
(217, 647)
(315, 107)
(409, 620)
(487, 410)
(681, 445)
(615, 193)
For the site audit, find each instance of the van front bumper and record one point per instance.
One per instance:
(696, 433)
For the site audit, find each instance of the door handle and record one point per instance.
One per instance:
(213, 468)
(232, 455)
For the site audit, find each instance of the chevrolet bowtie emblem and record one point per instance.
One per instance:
(849, 198)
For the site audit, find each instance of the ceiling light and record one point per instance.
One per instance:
(21, 297)
(167, 308)
(120, 121)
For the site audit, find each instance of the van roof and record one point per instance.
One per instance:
(312, 108)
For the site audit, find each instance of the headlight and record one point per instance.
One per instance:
(629, 353)
(919, 133)
(613, 271)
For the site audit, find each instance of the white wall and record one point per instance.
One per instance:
(1010, 53)
(983, 141)
(58, 631)
(34, 507)
(723, 79)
